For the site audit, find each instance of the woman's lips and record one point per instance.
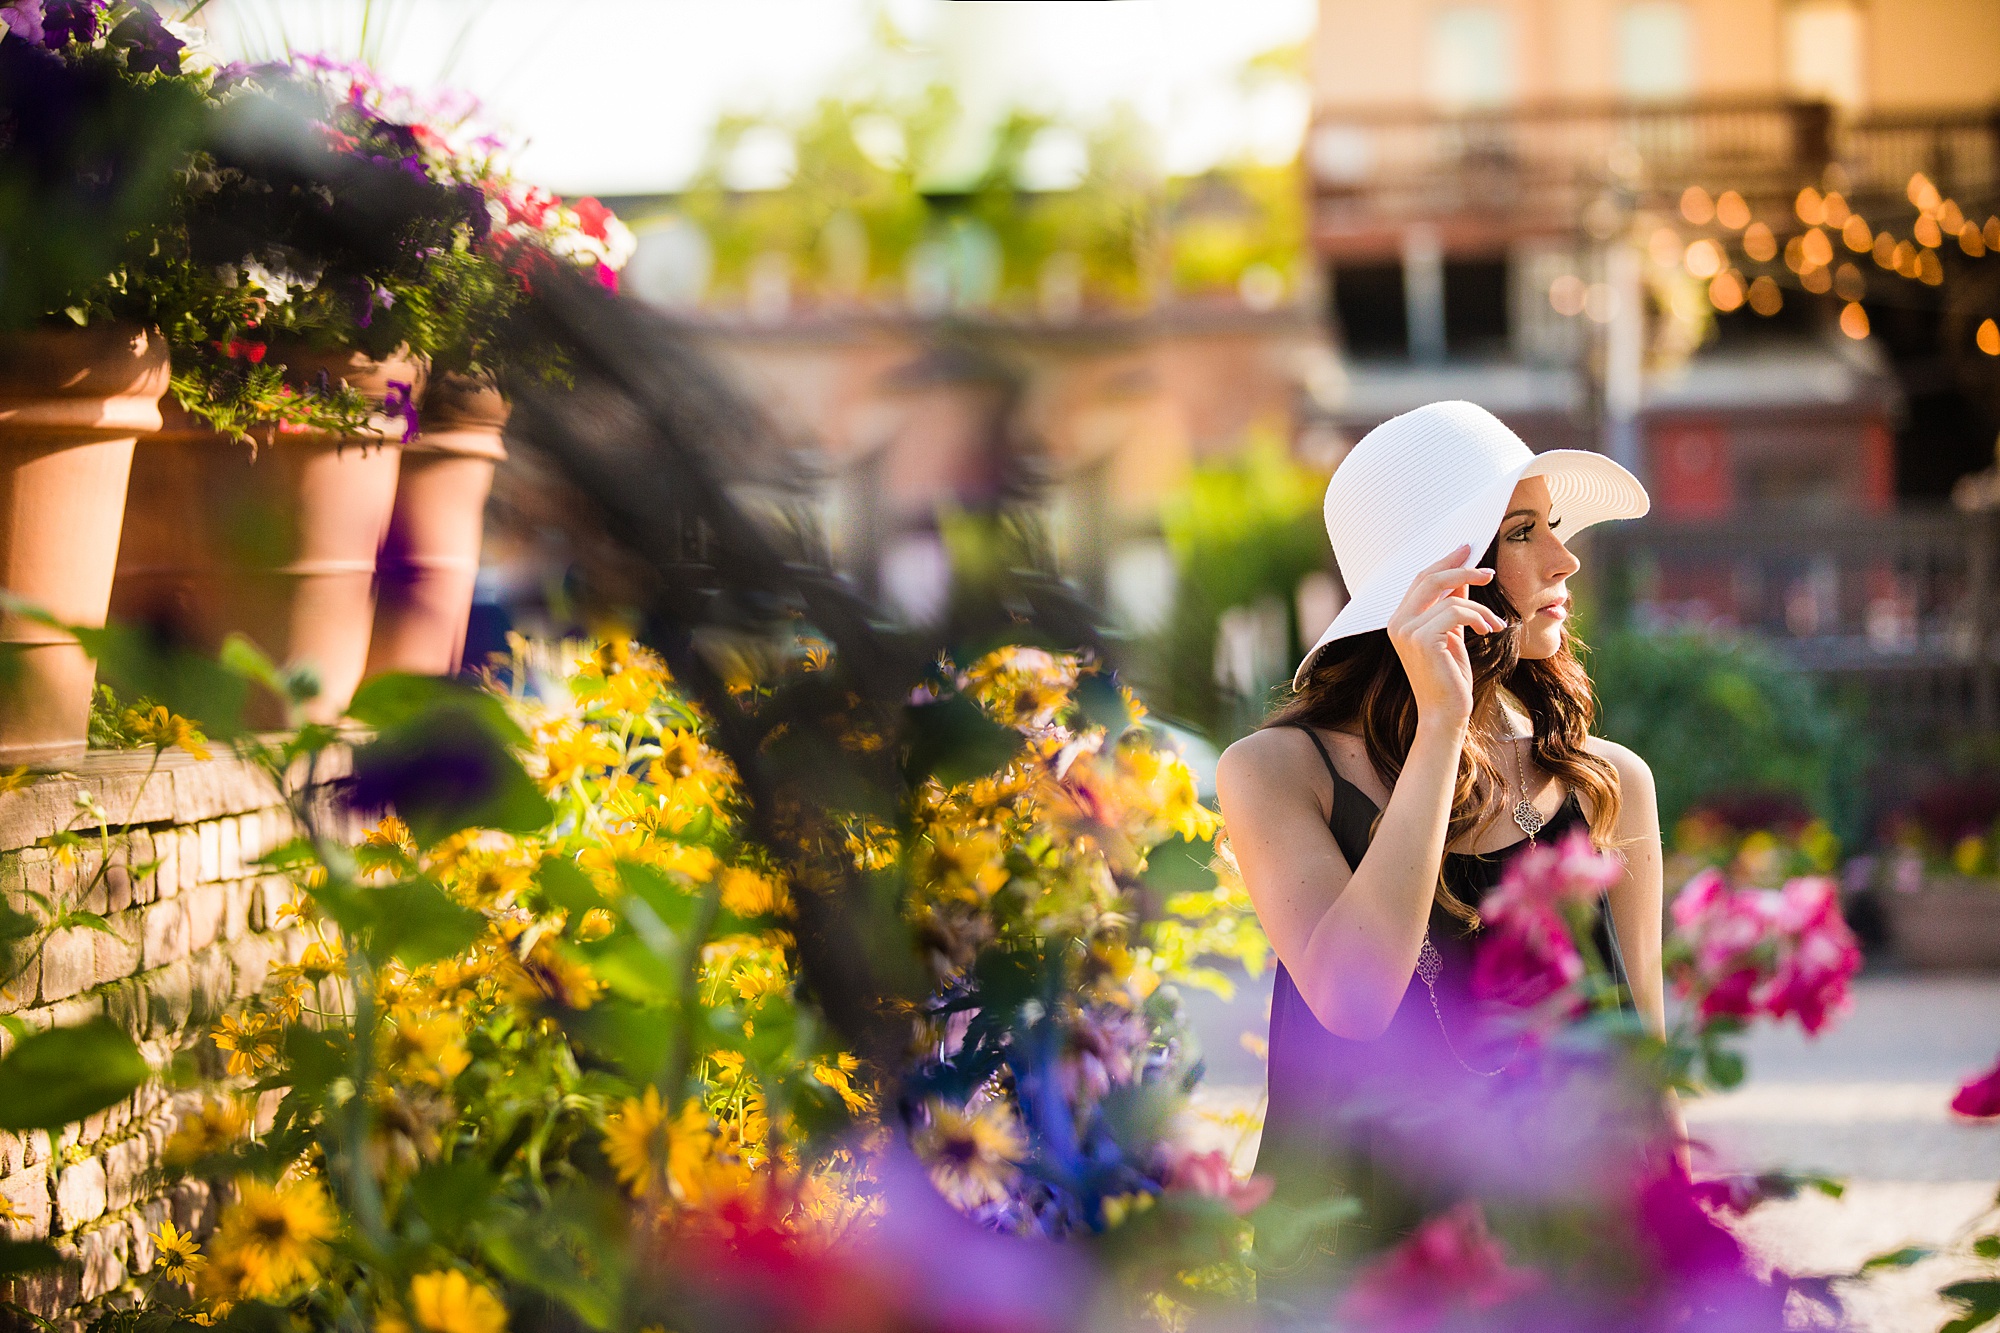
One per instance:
(1556, 610)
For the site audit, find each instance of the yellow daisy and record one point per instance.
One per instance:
(450, 1302)
(972, 1155)
(179, 1255)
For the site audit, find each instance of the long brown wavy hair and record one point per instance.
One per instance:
(1357, 684)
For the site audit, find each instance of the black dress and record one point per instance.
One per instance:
(1336, 1104)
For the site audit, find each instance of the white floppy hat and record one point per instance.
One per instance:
(1422, 484)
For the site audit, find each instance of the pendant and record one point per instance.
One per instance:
(1529, 818)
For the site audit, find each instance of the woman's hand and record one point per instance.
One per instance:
(1428, 630)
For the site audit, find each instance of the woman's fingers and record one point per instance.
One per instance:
(1457, 612)
(1439, 580)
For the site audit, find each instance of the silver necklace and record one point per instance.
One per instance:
(1430, 963)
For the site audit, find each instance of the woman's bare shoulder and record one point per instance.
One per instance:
(1631, 768)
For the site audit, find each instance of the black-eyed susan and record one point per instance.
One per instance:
(251, 1040)
(633, 1140)
(219, 1125)
(177, 1255)
(451, 1302)
(272, 1239)
(972, 1152)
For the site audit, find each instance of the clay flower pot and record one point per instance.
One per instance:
(72, 402)
(278, 545)
(430, 559)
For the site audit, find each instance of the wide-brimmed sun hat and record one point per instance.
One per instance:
(1422, 484)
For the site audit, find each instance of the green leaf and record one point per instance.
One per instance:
(1987, 1247)
(65, 1074)
(132, 661)
(452, 1195)
(566, 886)
(417, 923)
(1903, 1258)
(447, 769)
(315, 1058)
(1980, 1296)
(397, 699)
(1725, 1068)
(953, 740)
(1102, 705)
(633, 1039)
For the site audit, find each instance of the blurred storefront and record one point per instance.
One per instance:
(1743, 247)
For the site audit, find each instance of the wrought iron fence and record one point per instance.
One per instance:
(1902, 606)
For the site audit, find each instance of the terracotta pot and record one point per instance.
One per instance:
(1949, 923)
(278, 545)
(430, 559)
(72, 402)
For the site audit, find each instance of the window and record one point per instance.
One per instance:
(1655, 50)
(1475, 306)
(1472, 57)
(1368, 309)
(1823, 51)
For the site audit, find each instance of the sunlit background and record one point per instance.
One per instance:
(1145, 271)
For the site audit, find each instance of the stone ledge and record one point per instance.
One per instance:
(182, 790)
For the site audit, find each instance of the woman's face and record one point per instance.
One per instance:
(1532, 568)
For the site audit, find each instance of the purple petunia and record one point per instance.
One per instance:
(399, 402)
(23, 19)
(149, 47)
(66, 21)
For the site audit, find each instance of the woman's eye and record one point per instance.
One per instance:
(1520, 534)
(1555, 523)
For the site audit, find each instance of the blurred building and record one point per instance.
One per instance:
(1499, 196)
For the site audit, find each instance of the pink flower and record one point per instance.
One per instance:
(1450, 1266)
(1778, 952)
(592, 216)
(1209, 1174)
(1980, 1097)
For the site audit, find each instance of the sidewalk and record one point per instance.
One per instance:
(1866, 1101)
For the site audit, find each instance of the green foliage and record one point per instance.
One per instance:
(1713, 717)
(1242, 529)
(52, 1078)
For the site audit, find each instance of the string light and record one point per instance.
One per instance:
(1817, 281)
(1664, 249)
(1927, 232)
(1566, 295)
(1854, 320)
(1704, 258)
(1949, 217)
(1988, 338)
(1970, 241)
(1810, 207)
(1991, 235)
(1696, 206)
(1885, 250)
(1765, 298)
(1848, 283)
(1929, 271)
(1816, 248)
(1759, 243)
(1856, 233)
(1924, 196)
(1731, 211)
(1835, 209)
(1726, 292)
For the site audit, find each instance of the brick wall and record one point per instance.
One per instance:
(188, 937)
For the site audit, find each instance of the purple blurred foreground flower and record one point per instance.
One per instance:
(23, 19)
(1779, 952)
(1980, 1097)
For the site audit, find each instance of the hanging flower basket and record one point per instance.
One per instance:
(72, 403)
(430, 560)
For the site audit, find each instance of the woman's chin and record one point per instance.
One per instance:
(1540, 641)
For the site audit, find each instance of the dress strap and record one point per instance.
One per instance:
(1324, 757)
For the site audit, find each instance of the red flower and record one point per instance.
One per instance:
(591, 217)
(1451, 1265)
(1980, 1097)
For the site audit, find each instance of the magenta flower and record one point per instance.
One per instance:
(1980, 1097)
(1450, 1266)
(399, 403)
(1526, 960)
(1527, 954)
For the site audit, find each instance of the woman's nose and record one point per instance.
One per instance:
(1564, 564)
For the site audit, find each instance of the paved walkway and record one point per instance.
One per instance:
(1866, 1101)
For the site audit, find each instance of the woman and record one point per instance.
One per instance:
(1441, 722)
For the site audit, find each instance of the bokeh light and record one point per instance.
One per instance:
(1765, 298)
(1988, 338)
(1696, 206)
(1731, 211)
(1726, 292)
(1704, 258)
(1854, 320)
(1810, 207)
(1566, 295)
(1759, 243)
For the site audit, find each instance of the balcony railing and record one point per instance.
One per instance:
(1905, 605)
(1378, 164)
